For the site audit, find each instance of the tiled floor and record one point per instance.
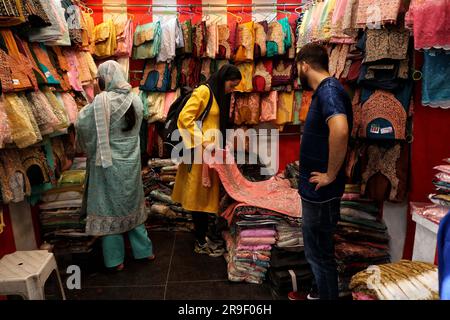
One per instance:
(177, 273)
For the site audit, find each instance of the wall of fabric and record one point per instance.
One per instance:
(289, 147)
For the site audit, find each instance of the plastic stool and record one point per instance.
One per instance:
(25, 273)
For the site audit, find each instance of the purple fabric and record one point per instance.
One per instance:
(252, 233)
(255, 248)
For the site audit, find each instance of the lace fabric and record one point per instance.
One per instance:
(269, 106)
(262, 78)
(245, 44)
(199, 40)
(430, 33)
(283, 72)
(5, 128)
(435, 84)
(261, 29)
(14, 182)
(246, 108)
(225, 48)
(371, 12)
(386, 44)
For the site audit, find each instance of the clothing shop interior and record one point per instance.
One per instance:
(95, 206)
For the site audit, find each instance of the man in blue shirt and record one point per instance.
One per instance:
(322, 177)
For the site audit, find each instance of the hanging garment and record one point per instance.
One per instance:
(124, 34)
(292, 50)
(147, 41)
(156, 77)
(302, 30)
(187, 36)
(71, 15)
(312, 28)
(383, 117)
(58, 108)
(262, 78)
(30, 58)
(59, 62)
(261, 30)
(283, 73)
(190, 72)
(53, 32)
(73, 73)
(287, 33)
(435, 84)
(337, 21)
(246, 108)
(11, 13)
(269, 103)
(23, 133)
(429, 33)
(35, 14)
(338, 59)
(225, 46)
(285, 108)
(386, 44)
(44, 63)
(171, 39)
(21, 72)
(5, 127)
(387, 12)
(6, 79)
(175, 70)
(169, 98)
(35, 165)
(212, 37)
(29, 112)
(324, 33)
(71, 106)
(63, 24)
(14, 182)
(246, 84)
(105, 39)
(199, 40)
(206, 70)
(42, 112)
(156, 103)
(297, 108)
(306, 103)
(273, 194)
(275, 39)
(88, 32)
(245, 42)
(385, 173)
(349, 23)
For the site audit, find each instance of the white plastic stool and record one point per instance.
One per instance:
(25, 273)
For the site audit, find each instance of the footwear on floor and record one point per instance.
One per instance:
(294, 296)
(313, 296)
(201, 248)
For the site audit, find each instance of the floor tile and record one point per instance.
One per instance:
(142, 273)
(189, 266)
(118, 293)
(224, 290)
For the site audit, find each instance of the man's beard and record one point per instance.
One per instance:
(304, 82)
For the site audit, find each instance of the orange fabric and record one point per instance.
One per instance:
(306, 103)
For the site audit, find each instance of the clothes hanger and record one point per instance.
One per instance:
(246, 13)
(238, 18)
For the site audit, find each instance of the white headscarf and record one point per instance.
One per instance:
(109, 107)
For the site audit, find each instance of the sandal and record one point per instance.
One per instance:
(151, 258)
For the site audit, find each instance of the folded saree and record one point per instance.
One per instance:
(254, 233)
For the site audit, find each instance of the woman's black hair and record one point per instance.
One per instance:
(130, 119)
(216, 82)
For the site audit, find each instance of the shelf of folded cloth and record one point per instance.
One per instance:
(164, 215)
(362, 238)
(427, 217)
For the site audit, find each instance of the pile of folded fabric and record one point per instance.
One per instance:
(61, 217)
(361, 238)
(404, 280)
(249, 243)
(442, 183)
(292, 172)
(165, 215)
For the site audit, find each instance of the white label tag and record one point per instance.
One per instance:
(48, 74)
(387, 130)
(16, 82)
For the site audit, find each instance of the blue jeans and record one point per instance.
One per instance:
(319, 225)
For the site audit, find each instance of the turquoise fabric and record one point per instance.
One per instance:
(435, 84)
(287, 31)
(149, 49)
(114, 248)
(272, 49)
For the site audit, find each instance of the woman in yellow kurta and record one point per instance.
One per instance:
(189, 189)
